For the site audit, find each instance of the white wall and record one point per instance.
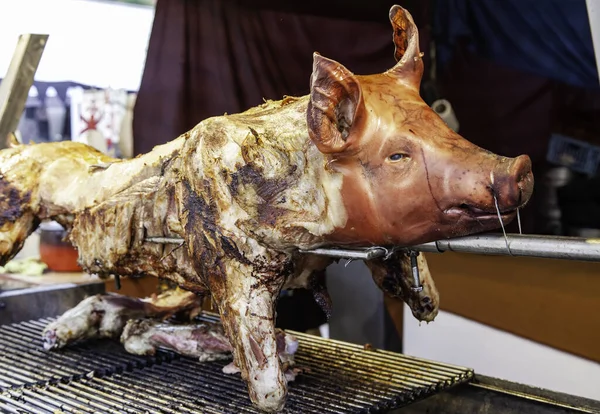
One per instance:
(456, 340)
(93, 43)
(593, 8)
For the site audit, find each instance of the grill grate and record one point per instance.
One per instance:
(100, 377)
(23, 360)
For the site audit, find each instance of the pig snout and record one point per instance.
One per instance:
(496, 185)
(512, 183)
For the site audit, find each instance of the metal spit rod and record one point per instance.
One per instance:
(550, 247)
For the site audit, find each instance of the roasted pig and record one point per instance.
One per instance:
(360, 161)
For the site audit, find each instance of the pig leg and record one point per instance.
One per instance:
(394, 277)
(246, 300)
(17, 219)
(18, 202)
(105, 315)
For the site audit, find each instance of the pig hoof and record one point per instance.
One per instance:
(50, 340)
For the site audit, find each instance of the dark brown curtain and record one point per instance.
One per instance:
(209, 57)
(511, 112)
(507, 112)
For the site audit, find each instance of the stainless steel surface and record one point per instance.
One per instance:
(100, 377)
(37, 302)
(550, 247)
(15, 85)
(487, 395)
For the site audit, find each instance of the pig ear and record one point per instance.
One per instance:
(409, 68)
(335, 97)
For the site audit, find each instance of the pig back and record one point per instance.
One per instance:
(262, 177)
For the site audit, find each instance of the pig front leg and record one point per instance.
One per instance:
(394, 277)
(246, 299)
(17, 204)
(14, 232)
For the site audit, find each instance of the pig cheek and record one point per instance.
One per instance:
(405, 202)
(392, 201)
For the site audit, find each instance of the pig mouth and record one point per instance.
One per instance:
(478, 213)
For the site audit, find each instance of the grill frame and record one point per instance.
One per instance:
(99, 376)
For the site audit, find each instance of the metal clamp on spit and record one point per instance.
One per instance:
(412, 254)
(415, 270)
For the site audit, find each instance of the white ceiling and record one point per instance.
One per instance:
(94, 43)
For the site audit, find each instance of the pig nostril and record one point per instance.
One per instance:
(521, 167)
(523, 178)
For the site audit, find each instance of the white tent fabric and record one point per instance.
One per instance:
(101, 44)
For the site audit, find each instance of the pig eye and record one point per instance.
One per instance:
(397, 157)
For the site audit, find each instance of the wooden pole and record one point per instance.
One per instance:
(15, 86)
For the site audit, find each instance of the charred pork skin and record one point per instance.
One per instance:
(360, 161)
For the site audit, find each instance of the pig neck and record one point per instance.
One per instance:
(361, 227)
(268, 181)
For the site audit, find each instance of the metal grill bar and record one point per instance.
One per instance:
(100, 377)
(23, 360)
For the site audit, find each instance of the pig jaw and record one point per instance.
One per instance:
(446, 193)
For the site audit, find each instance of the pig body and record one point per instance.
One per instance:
(361, 161)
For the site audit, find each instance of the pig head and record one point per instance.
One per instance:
(408, 177)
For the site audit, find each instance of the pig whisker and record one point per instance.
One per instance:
(479, 221)
(501, 223)
(519, 221)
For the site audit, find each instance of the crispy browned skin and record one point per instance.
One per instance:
(360, 161)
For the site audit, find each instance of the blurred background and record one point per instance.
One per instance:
(517, 76)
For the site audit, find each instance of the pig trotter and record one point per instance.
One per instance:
(319, 288)
(395, 277)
